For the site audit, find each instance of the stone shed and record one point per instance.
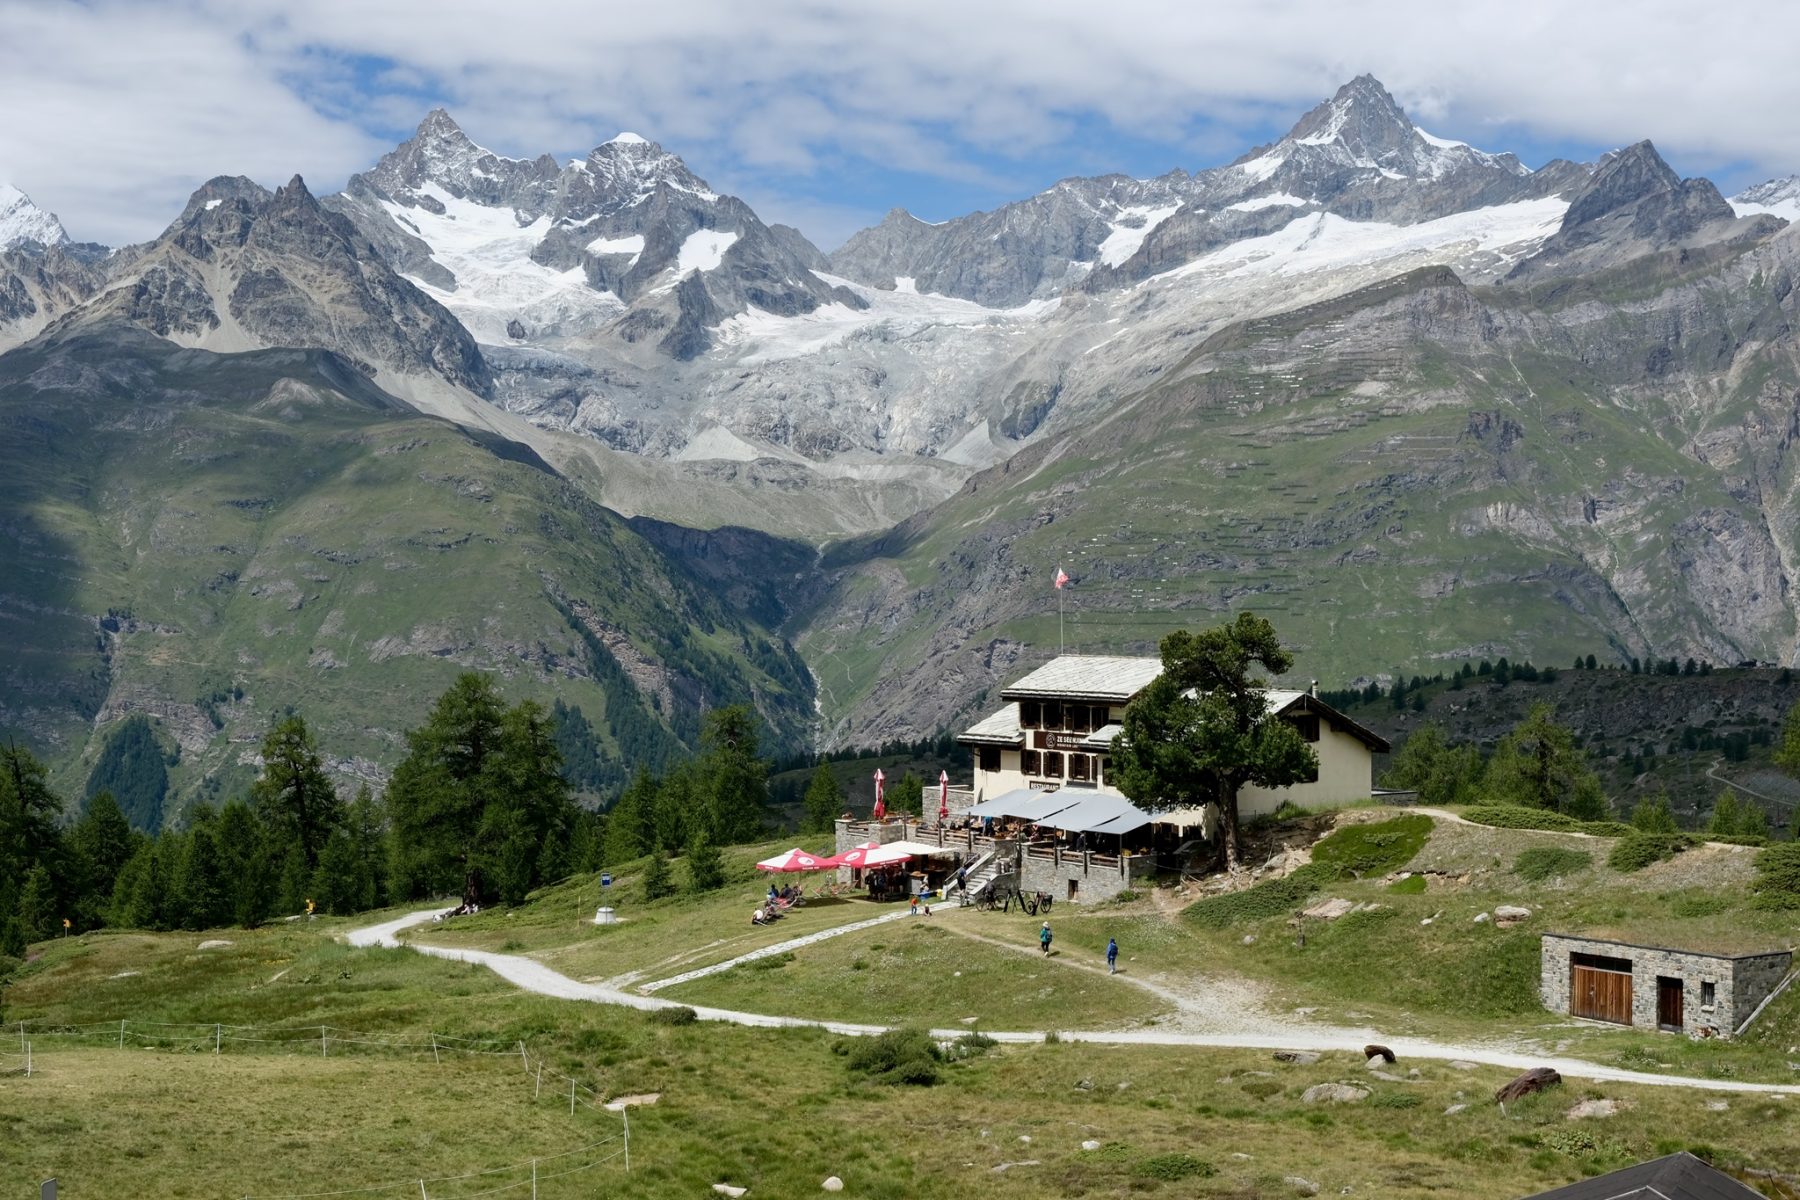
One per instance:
(1652, 987)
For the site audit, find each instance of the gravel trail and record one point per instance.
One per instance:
(1276, 1034)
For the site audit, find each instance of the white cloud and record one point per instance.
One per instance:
(130, 104)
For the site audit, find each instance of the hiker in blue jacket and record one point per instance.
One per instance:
(1112, 956)
(1044, 938)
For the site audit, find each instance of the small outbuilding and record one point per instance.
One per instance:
(1653, 987)
(1677, 1177)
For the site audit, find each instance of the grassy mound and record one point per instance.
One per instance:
(1550, 862)
(1355, 851)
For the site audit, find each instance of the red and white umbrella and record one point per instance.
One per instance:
(793, 860)
(880, 804)
(943, 795)
(856, 856)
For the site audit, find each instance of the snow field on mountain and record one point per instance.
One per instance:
(1271, 201)
(704, 250)
(489, 253)
(1324, 242)
(1126, 237)
(761, 337)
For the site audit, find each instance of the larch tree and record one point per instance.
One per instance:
(824, 800)
(735, 780)
(294, 793)
(1202, 731)
(1539, 765)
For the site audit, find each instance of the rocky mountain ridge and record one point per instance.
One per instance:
(626, 242)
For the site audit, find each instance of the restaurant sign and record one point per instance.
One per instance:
(1058, 741)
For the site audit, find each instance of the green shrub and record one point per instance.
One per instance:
(1639, 850)
(1412, 885)
(1363, 850)
(773, 962)
(908, 1056)
(674, 1016)
(1550, 862)
(1606, 829)
(969, 1045)
(1172, 1167)
(1777, 882)
(1271, 898)
(1262, 1089)
(1125, 897)
(1517, 816)
(1738, 839)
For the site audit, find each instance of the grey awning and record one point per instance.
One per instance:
(1025, 804)
(1100, 813)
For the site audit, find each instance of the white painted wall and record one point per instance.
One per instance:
(1346, 775)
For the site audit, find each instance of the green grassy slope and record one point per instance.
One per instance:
(210, 540)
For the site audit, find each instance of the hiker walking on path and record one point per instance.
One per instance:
(1044, 938)
(1112, 956)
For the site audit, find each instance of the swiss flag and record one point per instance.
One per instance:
(1062, 577)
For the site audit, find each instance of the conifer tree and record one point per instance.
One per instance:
(198, 897)
(1202, 731)
(706, 866)
(1539, 765)
(1653, 815)
(824, 800)
(244, 863)
(629, 833)
(657, 883)
(103, 842)
(293, 792)
(734, 778)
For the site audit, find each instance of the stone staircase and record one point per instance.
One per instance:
(982, 874)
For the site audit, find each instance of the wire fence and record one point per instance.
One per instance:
(18, 1056)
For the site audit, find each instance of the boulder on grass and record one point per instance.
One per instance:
(1534, 1080)
(1304, 1058)
(1334, 1093)
(1381, 1052)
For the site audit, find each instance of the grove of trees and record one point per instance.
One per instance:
(482, 807)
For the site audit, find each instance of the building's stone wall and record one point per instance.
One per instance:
(1739, 983)
(1094, 881)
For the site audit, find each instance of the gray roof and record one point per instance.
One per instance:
(1099, 812)
(1677, 1177)
(1001, 729)
(1027, 804)
(1102, 738)
(1086, 677)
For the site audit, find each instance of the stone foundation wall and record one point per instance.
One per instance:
(1739, 983)
(1093, 881)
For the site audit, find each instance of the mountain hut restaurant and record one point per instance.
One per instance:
(1041, 814)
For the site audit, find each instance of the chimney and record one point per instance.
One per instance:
(1315, 689)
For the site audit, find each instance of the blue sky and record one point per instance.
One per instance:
(825, 115)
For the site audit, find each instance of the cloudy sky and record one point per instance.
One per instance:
(825, 113)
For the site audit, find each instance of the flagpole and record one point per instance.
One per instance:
(1059, 620)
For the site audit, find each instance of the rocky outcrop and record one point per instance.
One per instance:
(244, 268)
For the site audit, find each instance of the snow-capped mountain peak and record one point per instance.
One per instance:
(1778, 197)
(1362, 127)
(627, 138)
(22, 221)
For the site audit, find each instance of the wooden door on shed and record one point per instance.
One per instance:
(1600, 988)
(1668, 1003)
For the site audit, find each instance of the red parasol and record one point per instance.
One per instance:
(880, 804)
(794, 860)
(943, 796)
(853, 857)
